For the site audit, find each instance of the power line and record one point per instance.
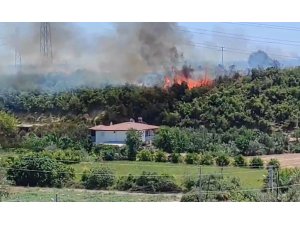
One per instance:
(262, 25)
(213, 191)
(252, 189)
(241, 36)
(233, 50)
(127, 175)
(221, 34)
(166, 165)
(153, 165)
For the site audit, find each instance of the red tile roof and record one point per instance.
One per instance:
(124, 127)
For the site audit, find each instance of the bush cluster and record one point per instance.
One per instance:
(148, 182)
(256, 163)
(98, 178)
(110, 153)
(67, 156)
(35, 170)
(144, 155)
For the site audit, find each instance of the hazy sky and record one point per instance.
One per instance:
(279, 40)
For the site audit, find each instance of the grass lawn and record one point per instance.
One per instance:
(250, 178)
(24, 194)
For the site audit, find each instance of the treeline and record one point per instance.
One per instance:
(263, 100)
(110, 104)
(234, 141)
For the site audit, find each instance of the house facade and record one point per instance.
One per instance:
(115, 134)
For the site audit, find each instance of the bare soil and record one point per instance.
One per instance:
(286, 160)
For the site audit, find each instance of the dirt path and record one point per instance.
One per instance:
(15, 189)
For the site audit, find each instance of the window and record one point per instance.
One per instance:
(148, 133)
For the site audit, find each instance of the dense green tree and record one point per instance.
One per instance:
(98, 178)
(7, 124)
(133, 142)
(34, 170)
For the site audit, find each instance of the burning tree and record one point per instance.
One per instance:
(185, 76)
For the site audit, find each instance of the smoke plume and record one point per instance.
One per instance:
(133, 50)
(140, 48)
(260, 59)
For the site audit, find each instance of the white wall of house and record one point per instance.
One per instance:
(119, 136)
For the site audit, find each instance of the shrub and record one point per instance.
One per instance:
(7, 161)
(223, 160)
(98, 178)
(144, 155)
(256, 162)
(175, 158)
(3, 186)
(35, 143)
(216, 188)
(35, 170)
(191, 196)
(65, 156)
(207, 159)
(125, 183)
(152, 182)
(189, 183)
(295, 148)
(110, 153)
(160, 156)
(274, 162)
(240, 161)
(191, 158)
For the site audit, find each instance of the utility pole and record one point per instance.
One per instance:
(271, 178)
(222, 168)
(277, 183)
(297, 120)
(222, 56)
(206, 197)
(200, 184)
(18, 60)
(45, 41)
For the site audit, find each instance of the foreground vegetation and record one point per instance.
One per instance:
(212, 127)
(21, 194)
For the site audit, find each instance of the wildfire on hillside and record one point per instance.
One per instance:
(184, 76)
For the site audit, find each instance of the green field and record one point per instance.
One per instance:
(23, 194)
(250, 178)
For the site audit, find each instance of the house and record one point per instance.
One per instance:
(115, 134)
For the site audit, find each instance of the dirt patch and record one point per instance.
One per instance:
(286, 160)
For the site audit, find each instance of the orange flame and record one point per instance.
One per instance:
(191, 83)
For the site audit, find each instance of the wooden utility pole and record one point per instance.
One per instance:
(200, 184)
(271, 178)
(222, 55)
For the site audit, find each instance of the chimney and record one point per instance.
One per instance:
(140, 119)
(131, 120)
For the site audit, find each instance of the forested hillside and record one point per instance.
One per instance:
(264, 100)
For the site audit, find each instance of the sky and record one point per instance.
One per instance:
(280, 40)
